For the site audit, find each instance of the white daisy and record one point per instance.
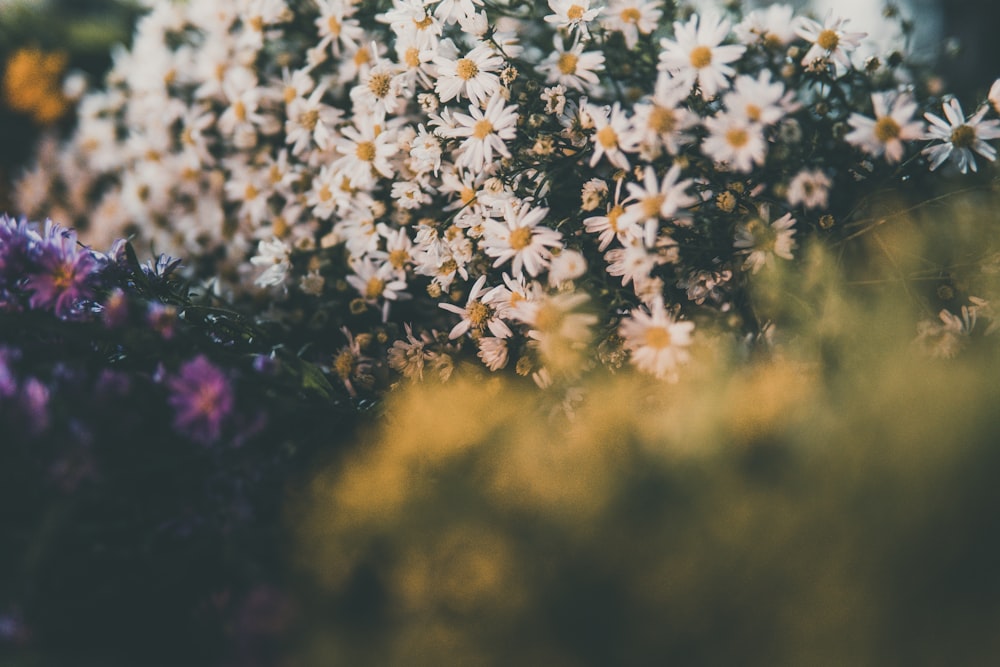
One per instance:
(829, 39)
(472, 76)
(735, 142)
(275, 256)
(612, 135)
(572, 67)
(762, 240)
(773, 26)
(759, 100)
(960, 137)
(365, 150)
(893, 124)
(484, 131)
(656, 200)
(521, 240)
(572, 14)
(695, 55)
(658, 343)
(809, 187)
(481, 313)
(632, 18)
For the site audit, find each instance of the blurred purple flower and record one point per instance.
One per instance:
(35, 402)
(202, 399)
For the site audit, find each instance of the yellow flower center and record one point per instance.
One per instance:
(479, 315)
(374, 288)
(324, 194)
(334, 25)
(309, 119)
(613, 215)
(886, 128)
(362, 57)
(520, 238)
(466, 69)
(240, 110)
(250, 192)
(737, 137)
(256, 23)
(398, 258)
(290, 94)
(662, 120)
(963, 136)
(630, 15)
(468, 195)
(574, 13)
(567, 63)
(753, 112)
(412, 57)
(482, 129)
(423, 23)
(379, 84)
(651, 206)
(365, 151)
(828, 40)
(607, 137)
(701, 56)
(343, 364)
(658, 337)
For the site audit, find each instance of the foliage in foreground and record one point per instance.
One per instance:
(833, 503)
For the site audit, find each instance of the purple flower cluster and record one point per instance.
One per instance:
(46, 270)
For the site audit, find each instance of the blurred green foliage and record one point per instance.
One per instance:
(832, 503)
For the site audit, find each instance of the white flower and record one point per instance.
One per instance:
(762, 240)
(380, 90)
(485, 131)
(555, 99)
(572, 14)
(695, 55)
(309, 120)
(566, 266)
(520, 240)
(960, 137)
(734, 141)
(809, 187)
(609, 226)
(893, 123)
(759, 100)
(482, 312)
(632, 18)
(658, 343)
(472, 76)
(662, 119)
(572, 67)
(275, 255)
(828, 40)
(365, 149)
(656, 200)
(493, 352)
(336, 28)
(994, 96)
(377, 283)
(774, 26)
(612, 135)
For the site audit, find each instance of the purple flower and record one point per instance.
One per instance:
(16, 240)
(202, 399)
(63, 274)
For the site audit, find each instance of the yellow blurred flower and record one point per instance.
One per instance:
(31, 84)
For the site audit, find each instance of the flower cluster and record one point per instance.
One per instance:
(404, 181)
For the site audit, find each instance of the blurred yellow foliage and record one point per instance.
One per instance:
(31, 84)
